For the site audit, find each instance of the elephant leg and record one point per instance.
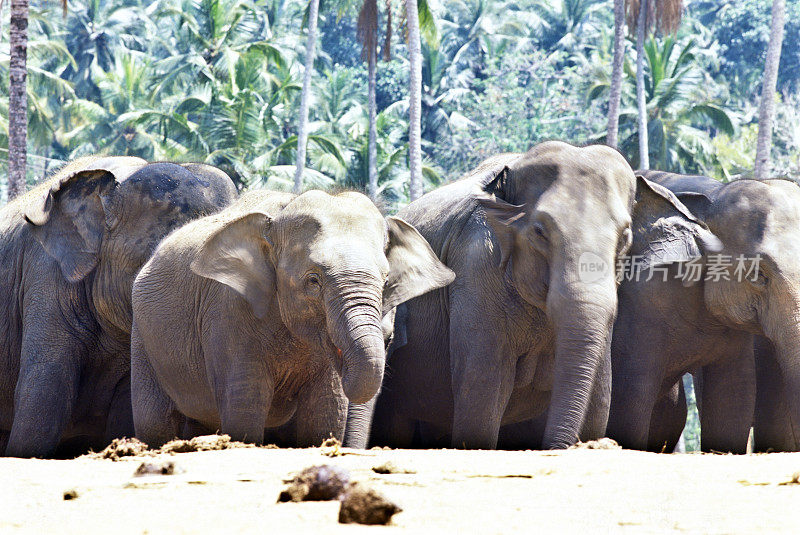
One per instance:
(45, 395)
(596, 422)
(359, 420)
(774, 429)
(728, 395)
(156, 419)
(120, 413)
(636, 384)
(668, 420)
(244, 406)
(482, 377)
(321, 411)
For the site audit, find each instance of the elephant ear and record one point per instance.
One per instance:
(68, 214)
(506, 221)
(414, 268)
(236, 255)
(665, 230)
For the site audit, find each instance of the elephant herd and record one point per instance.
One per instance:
(542, 299)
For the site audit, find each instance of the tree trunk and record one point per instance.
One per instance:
(641, 101)
(372, 148)
(766, 111)
(18, 99)
(414, 101)
(616, 73)
(302, 129)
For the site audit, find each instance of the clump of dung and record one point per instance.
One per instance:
(70, 494)
(390, 468)
(331, 446)
(364, 505)
(599, 444)
(166, 468)
(122, 447)
(316, 483)
(203, 443)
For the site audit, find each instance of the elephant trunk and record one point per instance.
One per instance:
(583, 318)
(359, 421)
(354, 323)
(784, 331)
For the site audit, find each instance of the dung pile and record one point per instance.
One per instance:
(359, 503)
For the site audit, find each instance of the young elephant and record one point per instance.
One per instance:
(271, 310)
(69, 252)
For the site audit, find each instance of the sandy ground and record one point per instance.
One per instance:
(577, 491)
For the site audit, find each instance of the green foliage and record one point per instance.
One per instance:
(691, 433)
(741, 27)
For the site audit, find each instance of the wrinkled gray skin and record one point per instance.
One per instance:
(69, 252)
(519, 331)
(775, 426)
(710, 325)
(269, 312)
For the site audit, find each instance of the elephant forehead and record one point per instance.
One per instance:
(573, 174)
(348, 252)
(169, 184)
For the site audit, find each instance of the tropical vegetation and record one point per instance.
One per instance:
(221, 81)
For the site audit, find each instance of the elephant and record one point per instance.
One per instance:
(70, 251)
(750, 288)
(526, 327)
(270, 313)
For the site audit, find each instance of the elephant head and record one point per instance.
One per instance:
(756, 281)
(563, 216)
(101, 219)
(329, 268)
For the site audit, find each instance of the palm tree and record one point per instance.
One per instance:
(616, 73)
(414, 101)
(302, 128)
(766, 111)
(641, 103)
(564, 24)
(368, 34)
(644, 16)
(18, 99)
(680, 113)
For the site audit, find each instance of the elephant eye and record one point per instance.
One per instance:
(538, 230)
(312, 281)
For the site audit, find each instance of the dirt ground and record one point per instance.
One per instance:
(576, 491)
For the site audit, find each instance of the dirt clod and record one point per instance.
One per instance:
(599, 444)
(164, 468)
(70, 494)
(331, 447)
(316, 483)
(364, 505)
(390, 468)
(203, 443)
(122, 447)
